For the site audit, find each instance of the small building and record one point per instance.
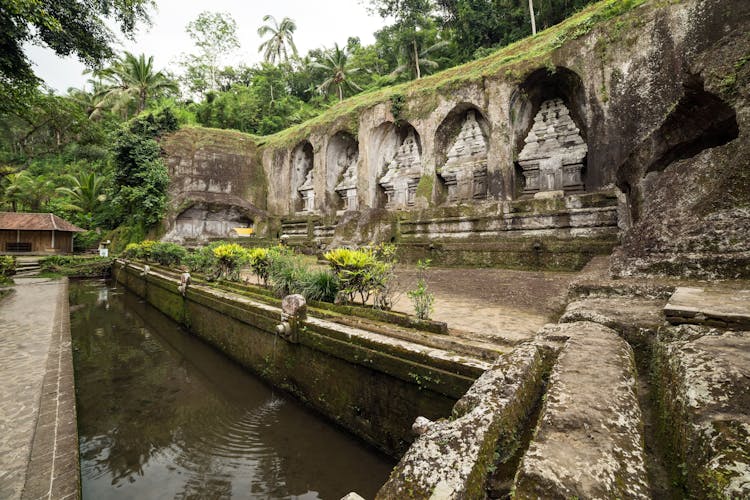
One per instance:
(36, 233)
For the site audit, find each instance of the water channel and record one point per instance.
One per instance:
(163, 415)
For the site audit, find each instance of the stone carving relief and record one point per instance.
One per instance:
(347, 187)
(552, 159)
(307, 193)
(465, 171)
(303, 168)
(402, 174)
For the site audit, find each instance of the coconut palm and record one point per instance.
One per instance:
(133, 80)
(337, 66)
(417, 60)
(85, 194)
(275, 48)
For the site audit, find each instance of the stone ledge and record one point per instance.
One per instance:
(588, 443)
(451, 459)
(703, 377)
(723, 309)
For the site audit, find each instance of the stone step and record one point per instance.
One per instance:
(717, 308)
(588, 442)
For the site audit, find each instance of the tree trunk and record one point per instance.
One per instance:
(341, 93)
(416, 59)
(533, 18)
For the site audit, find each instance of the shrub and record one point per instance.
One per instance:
(286, 274)
(321, 285)
(260, 261)
(7, 268)
(168, 254)
(422, 300)
(364, 273)
(76, 266)
(230, 257)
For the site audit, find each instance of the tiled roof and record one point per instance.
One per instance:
(36, 222)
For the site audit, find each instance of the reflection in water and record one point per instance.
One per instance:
(162, 415)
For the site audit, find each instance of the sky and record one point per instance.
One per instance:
(319, 23)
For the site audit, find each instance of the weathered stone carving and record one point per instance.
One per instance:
(307, 193)
(402, 174)
(552, 159)
(465, 171)
(303, 166)
(347, 188)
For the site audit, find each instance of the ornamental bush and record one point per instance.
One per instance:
(168, 254)
(363, 273)
(7, 268)
(230, 258)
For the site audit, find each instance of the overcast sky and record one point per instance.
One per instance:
(319, 23)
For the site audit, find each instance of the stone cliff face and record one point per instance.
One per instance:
(217, 184)
(648, 99)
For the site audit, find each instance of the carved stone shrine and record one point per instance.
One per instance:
(553, 157)
(347, 188)
(402, 175)
(465, 171)
(307, 193)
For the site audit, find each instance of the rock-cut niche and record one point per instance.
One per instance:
(462, 154)
(550, 142)
(341, 172)
(203, 221)
(401, 168)
(303, 191)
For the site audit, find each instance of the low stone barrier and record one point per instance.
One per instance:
(703, 382)
(588, 442)
(452, 457)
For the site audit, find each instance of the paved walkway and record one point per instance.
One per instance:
(37, 415)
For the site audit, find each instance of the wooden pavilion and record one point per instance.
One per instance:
(36, 233)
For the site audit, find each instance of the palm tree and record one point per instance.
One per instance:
(85, 193)
(281, 35)
(131, 80)
(416, 59)
(336, 64)
(21, 189)
(13, 189)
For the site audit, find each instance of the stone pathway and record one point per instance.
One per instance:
(500, 305)
(32, 332)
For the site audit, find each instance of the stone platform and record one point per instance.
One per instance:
(717, 308)
(38, 435)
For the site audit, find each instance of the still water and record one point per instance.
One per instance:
(163, 415)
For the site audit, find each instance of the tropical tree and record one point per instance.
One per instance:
(275, 48)
(85, 193)
(215, 35)
(24, 190)
(13, 188)
(338, 70)
(132, 81)
(418, 61)
(65, 26)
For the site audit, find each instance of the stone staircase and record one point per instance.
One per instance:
(27, 267)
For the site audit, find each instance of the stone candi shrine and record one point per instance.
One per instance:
(554, 154)
(402, 174)
(465, 171)
(347, 187)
